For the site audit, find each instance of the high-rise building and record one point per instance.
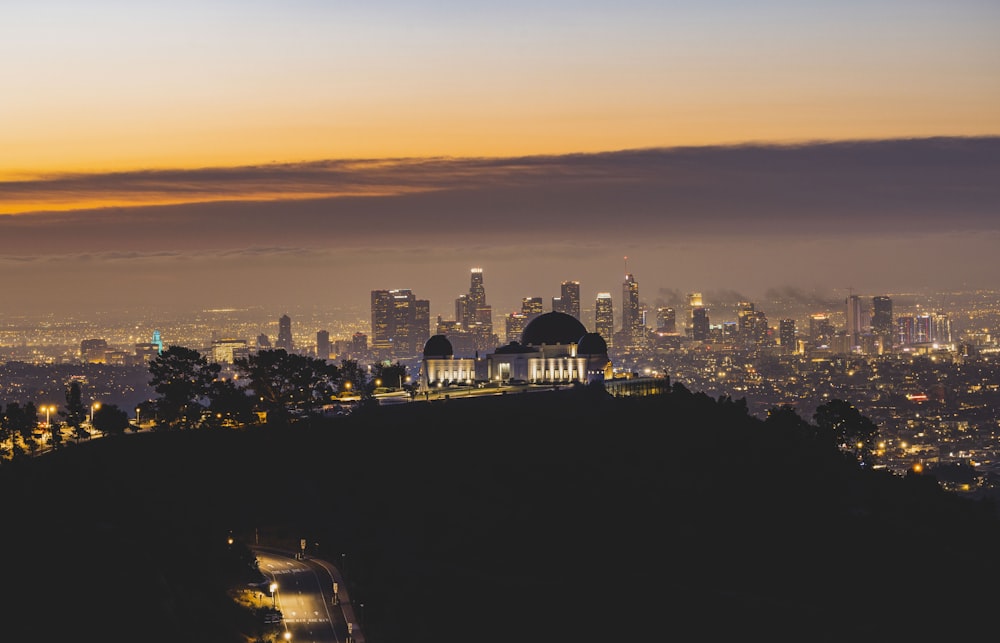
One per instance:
(604, 317)
(323, 346)
(746, 322)
(821, 329)
(569, 299)
(359, 344)
(531, 307)
(700, 329)
(263, 342)
(786, 335)
(400, 323)
(514, 326)
(632, 322)
(855, 322)
(882, 325)
(284, 340)
(940, 328)
(905, 330)
(666, 319)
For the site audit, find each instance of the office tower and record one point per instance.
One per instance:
(381, 320)
(323, 344)
(905, 330)
(666, 319)
(746, 322)
(700, 324)
(531, 307)
(882, 325)
(786, 335)
(359, 344)
(820, 329)
(471, 308)
(569, 299)
(854, 321)
(400, 323)
(263, 342)
(514, 326)
(922, 329)
(632, 322)
(940, 328)
(284, 340)
(477, 291)
(604, 317)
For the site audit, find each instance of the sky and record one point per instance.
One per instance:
(221, 154)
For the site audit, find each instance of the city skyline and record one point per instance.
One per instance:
(184, 157)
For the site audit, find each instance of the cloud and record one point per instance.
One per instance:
(733, 221)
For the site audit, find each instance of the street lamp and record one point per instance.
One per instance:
(137, 417)
(48, 408)
(288, 635)
(93, 407)
(274, 595)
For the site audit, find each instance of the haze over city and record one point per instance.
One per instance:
(183, 156)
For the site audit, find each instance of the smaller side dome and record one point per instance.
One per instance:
(438, 346)
(592, 344)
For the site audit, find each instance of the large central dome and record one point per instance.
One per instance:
(553, 328)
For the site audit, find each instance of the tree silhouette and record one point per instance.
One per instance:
(182, 376)
(229, 403)
(841, 422)
(110, 419)
(282, 381)
(75, 412)
(352, 373)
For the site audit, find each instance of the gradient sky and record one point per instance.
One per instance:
(199, 153)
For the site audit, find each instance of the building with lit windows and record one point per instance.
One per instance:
(604, 317)
(531, 307)
(400, 323)
(228, 350)
(633, 324)
(568, 300)
(882, 325)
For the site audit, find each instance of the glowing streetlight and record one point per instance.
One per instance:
(137, 417)
(274, 595)
(288, 635)
(48, 408)
(93, 407)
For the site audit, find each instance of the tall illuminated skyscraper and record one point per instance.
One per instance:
(604, 317)
(632, 322)
(400, 323)
(882, 324)
(569, 299)
(284, 340)
(786, 335)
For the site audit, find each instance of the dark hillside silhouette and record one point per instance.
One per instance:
(557, 516)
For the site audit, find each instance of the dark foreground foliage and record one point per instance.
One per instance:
(558, 516)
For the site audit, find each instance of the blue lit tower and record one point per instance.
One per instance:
(158, 342)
